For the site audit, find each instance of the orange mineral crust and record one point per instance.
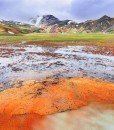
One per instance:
(51, 96)
(34, 100)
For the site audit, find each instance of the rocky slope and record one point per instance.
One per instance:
(14, 27)
(51, 24)
(47, 20)
(102, 24)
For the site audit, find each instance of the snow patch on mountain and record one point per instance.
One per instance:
(38, 20)
(35, 20)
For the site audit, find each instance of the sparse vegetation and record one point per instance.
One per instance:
(91, 38)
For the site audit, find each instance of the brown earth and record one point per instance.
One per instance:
(21, 107)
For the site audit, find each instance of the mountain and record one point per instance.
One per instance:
(51, 24)
(44, 20)
(47, 20)
(99, 25)
(15, 27)
(8, 28)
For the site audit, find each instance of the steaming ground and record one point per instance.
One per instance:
(91, 117)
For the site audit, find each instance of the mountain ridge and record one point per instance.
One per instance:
(51, 24)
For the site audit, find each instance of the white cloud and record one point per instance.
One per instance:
(21, 9)
(89, 9)
(63, 9)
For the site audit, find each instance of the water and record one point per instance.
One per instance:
(24, 62)
(91, 117)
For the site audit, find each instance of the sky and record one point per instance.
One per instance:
(78, 10)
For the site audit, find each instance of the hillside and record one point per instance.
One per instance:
(99, 25)
(51, 24)
(13, 28)
(7, 29)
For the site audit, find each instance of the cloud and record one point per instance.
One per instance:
(89, 9)
(63, 9)
(22, 9)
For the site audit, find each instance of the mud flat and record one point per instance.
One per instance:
(35, 105)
